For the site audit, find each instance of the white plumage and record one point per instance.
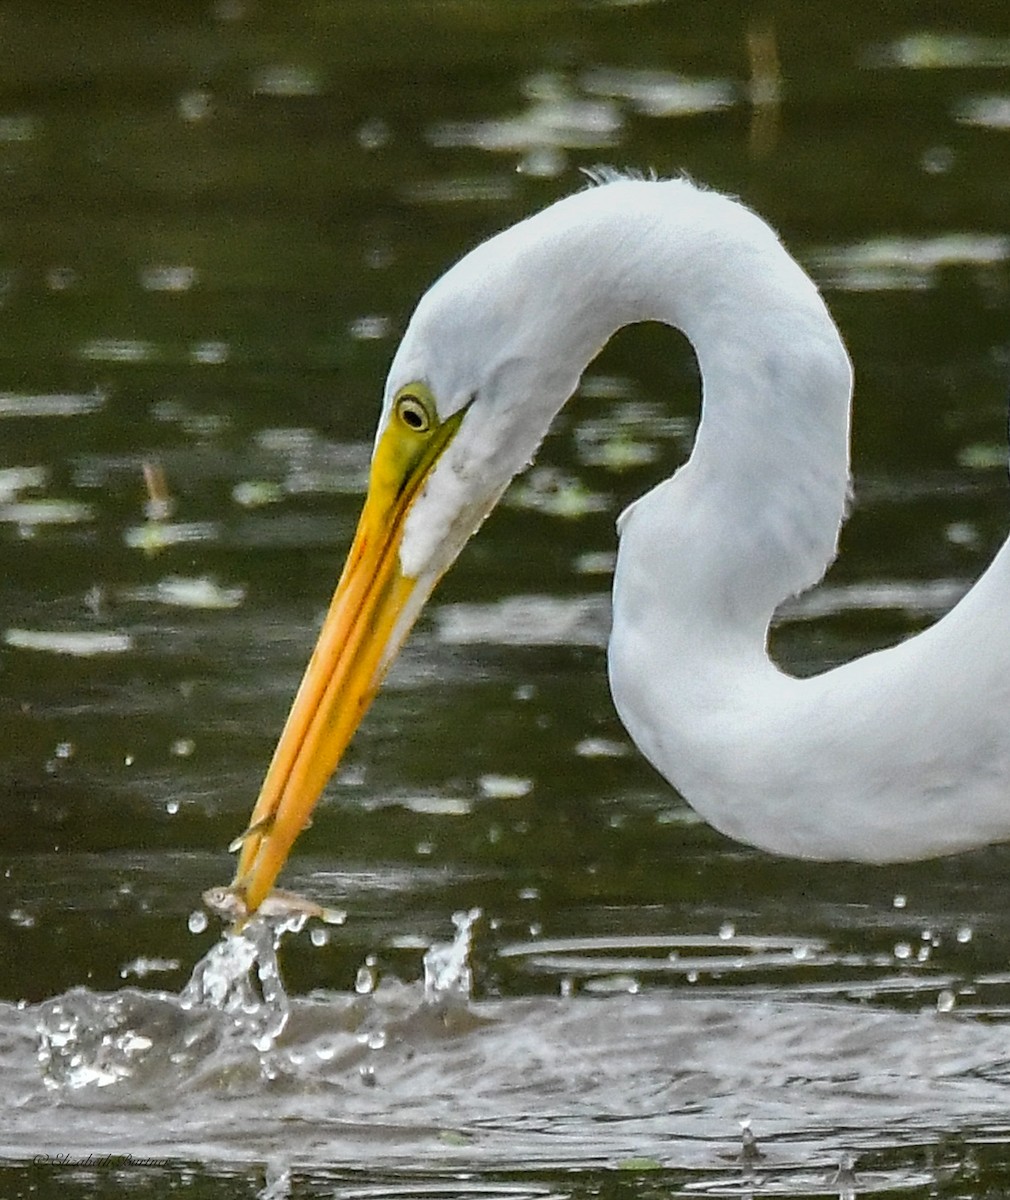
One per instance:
(902, 754)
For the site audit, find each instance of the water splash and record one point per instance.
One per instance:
(448, 976)
(223, 979)
(234, 1003)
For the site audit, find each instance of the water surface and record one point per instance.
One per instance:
(216, 223)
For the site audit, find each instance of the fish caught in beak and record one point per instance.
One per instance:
(372, 611)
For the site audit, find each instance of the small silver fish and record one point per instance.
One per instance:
(226, 903)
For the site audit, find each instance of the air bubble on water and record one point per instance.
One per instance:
(945, 1001)
(319, 937)
(326, 1051)
(964, 934)
(902, 950)
(899, 901)
(364, 981)
(376, 1040)
(197, 921)
(172, 807)
(727, 930)
(691, 977)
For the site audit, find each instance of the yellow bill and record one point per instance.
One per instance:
(371, 613)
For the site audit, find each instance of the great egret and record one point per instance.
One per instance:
(901, 754)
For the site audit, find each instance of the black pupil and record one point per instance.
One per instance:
(412, 415)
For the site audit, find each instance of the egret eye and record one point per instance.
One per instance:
(413, 412)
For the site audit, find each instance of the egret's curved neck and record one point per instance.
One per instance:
(754, 516)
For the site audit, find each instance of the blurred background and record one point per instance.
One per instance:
(215, 219)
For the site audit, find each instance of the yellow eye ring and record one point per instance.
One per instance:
(413, 412)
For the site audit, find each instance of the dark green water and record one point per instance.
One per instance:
(214, 222)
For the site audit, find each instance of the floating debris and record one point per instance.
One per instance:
(30, 513)
(933, 51)
(155, 536)
(118, 350)
(906, 263)
(600, 747)
(57, 404)
(504, 787)
(179, 591)
(14, 480)
(556, 493)
(986, 112)
(257, 493)
(160, 503)
(161, 277)
(660, 93)
(287, 80)
(983, 456)
(77, 643)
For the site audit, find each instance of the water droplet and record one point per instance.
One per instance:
(899, 901)
(364, 981)
(128, 761)
(197, 921)
(24, 920)
(183, 747)
(318, 937)
(172, 807)
(964, 934)
(529, 893)
(945, 1001)
(902, 950)
(376, 1040)
(727, 930)
(65, 750)
(370, 329)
